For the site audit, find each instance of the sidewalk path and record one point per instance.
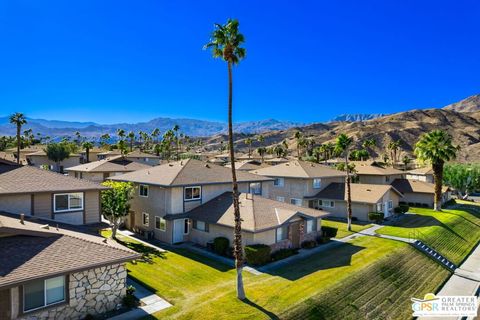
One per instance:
(151, 303)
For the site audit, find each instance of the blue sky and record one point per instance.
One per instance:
(127, 61)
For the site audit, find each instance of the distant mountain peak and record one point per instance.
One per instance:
(355, 117)
(470, 104)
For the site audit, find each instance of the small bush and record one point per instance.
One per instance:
(322, 239)
(257, 254)
(411, 204)
(450, 202)
(424, 205)
(329, 232)
(402, 203)
(354, 219)
(376, 216)
(309, 244)
(130, 301)
(401, 209)
(220, 245)
(131, 290)
(283, 253)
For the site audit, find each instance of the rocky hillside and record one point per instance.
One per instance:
(470, 104)
(405, 126)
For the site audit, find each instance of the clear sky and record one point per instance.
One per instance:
(126, 61)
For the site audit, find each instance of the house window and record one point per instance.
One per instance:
(390, 204)
(143, 190)
(311, 225)
(160, 223)
(281, 199)
(295, 201)
(63, 202)
(326, 203)
(42, 293)
(256, 188)
(379, 207)
(279, 182)
(317, 183)
(200, 225)
(145, 219)
(192, 193)
(387, 179)
(145, 159)
(282, 233)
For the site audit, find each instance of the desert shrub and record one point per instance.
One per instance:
(283, 253)
(376, 216)
(257, 254)
(220, 245)
(130, 290)
(309, 244)
(329, 232)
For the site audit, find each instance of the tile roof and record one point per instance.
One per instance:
(299, 169)
(35, 252)
(371, 168)
(258, 213)
(28, 179)
(186, 172)
(363, 193)
(415, 186)
(114, 164)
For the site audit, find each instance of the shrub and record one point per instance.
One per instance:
(401, 209)
(411, 204)
(376, 216)
(354, 219)
(309, 244)
(450, 202)
(283, 253)
(322, 239)
(329, 232)
(131, 290)
(424, 205)
(130, 301)
(402, 203)
(220, 245)
(88, 317)
(257, 254)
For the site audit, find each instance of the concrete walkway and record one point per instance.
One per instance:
(151, 303)
(464, 282)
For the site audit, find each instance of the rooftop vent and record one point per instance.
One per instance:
(206, 165)
(369, 190)
(22, 218)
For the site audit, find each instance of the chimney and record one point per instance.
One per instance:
(22, 218)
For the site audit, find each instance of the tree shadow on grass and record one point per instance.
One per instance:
(464, 218)
(339, 256)
(200, 258)
(419, 221)
(269, 314)
(148, 253)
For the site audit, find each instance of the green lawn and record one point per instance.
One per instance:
(342, 227)
(352, 281)
(453, 233)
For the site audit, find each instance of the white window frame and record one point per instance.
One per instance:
(390, 204)
(281, 184)
(68, 195)
(295, 199)
(379, 204)
(160, 223)
(326, 203)
(312, 221)
(145, 214)
(252, 190)
(284, 236)
(280, 199)
(317, 185)
(145, 187)
(45, 305)
(192, 199)
(206, 227)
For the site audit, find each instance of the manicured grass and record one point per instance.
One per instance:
(366, 270)
(342, 227)
(452, 232)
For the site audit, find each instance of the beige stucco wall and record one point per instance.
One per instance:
(149, 161)
(91, 176)
(299, 188)
(377, 179)
(425, 178)
(39, 161)
(92, 207)
(426, 198)
(202, 237)
(16, 203)
(42, 203)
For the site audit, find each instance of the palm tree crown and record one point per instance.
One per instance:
(436, 147)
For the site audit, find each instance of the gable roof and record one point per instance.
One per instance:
(140, 154)
(44, 154)
(415, 186)
(299, 169)
(35, 252)
(28, 179)
(186, 172)
(247, 165)
(371, 168)
(362, 193)
(422, 171)
(258, 213)
(114, 164)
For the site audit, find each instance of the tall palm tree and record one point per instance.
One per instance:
(226, 43)
(155, 134)
(261, 151)
(394, 146)
(19, 120)
(87, 145)
(260, 139)
(437, 148)
(131, 136)
(406, 160)
(298, 136)
(342, 146)
(249, 142)
(368, 145)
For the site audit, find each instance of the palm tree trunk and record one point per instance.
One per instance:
(237, 237)
(349, 196)
(438, 178)
(19, 142)
(87, 153)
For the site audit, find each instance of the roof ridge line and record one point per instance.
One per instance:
(179, 171)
